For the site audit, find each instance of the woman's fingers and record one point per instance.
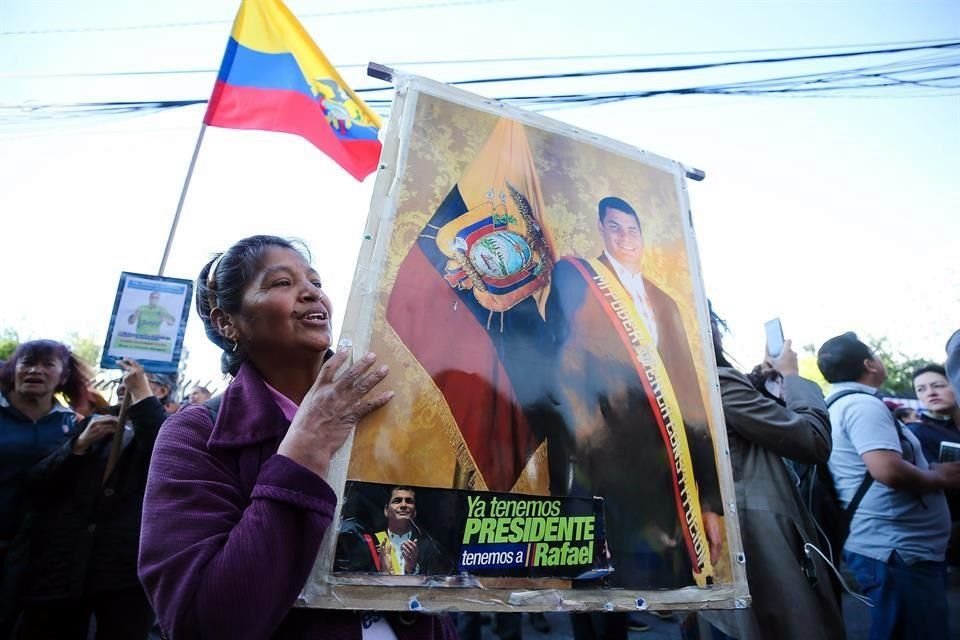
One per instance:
(350, 376)
(369, 381)
(330, 368)
(366, 407)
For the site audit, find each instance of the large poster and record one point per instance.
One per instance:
(536, 293)
(148, 322)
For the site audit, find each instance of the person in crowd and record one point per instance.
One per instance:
(199, 395)
(952, 365)
(899, 533)
(906, 415)
(32, 423)
(86, 531)
(938, 422)
(228, 557)
(506, 626)
(790, 585)
(164, 387)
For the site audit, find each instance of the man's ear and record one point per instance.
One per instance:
(224, 324)
(870, 365)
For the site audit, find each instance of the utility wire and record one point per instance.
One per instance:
(928, 73)
(706, 65)
(203, 23)
(462, 61)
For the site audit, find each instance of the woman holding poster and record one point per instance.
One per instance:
(228, 556)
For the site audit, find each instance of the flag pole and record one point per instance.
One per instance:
(117, 437)
(183, 197)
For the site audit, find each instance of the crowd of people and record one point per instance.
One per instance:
(70, 529)
(206, 518)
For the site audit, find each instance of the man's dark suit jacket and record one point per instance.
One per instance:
(356, 552)
(607, 442)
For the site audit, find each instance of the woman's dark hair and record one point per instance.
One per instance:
(232, 271)
(930, 368)
(74, 383)
(721, 325)
(902, 412)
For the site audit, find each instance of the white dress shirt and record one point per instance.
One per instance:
(633, 283)
(396, 541)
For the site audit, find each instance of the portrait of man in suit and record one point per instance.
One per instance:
(633, 425)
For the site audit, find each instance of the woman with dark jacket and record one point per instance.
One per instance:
(237, 500)
(33, 422)
(789, 582)
(87, 529)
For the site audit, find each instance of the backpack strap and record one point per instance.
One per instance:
(867, 478)
(833, 398)
(858, 496)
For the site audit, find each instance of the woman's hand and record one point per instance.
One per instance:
(786, 362)
(331, 410)
(98, 428)
(135, 380)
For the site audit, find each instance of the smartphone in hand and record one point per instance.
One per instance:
(949, 452)
(774, 333)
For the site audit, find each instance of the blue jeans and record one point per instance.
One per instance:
(910, 600)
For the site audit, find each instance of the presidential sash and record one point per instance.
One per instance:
(633, 333)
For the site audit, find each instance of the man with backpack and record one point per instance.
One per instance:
(899, 531)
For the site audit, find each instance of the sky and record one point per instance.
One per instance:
(832, 213)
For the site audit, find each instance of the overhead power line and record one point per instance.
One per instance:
(934, 74)
(203, 23)
(707, 65)
(909, 44)
(853, 79)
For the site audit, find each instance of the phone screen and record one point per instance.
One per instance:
(774, 333)
(949, 452)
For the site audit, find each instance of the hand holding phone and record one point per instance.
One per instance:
(949, 452)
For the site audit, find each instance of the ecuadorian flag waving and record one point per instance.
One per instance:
(275, 78)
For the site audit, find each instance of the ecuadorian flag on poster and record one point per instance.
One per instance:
(275, 78)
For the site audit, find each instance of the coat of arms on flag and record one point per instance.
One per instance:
(497, 250)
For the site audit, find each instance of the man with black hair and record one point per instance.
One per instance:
(403, 548)
(633, 426)
(899, 532)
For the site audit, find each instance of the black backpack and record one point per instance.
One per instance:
(820, 496)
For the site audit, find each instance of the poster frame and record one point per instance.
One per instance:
(327, 590)
(108, 361)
